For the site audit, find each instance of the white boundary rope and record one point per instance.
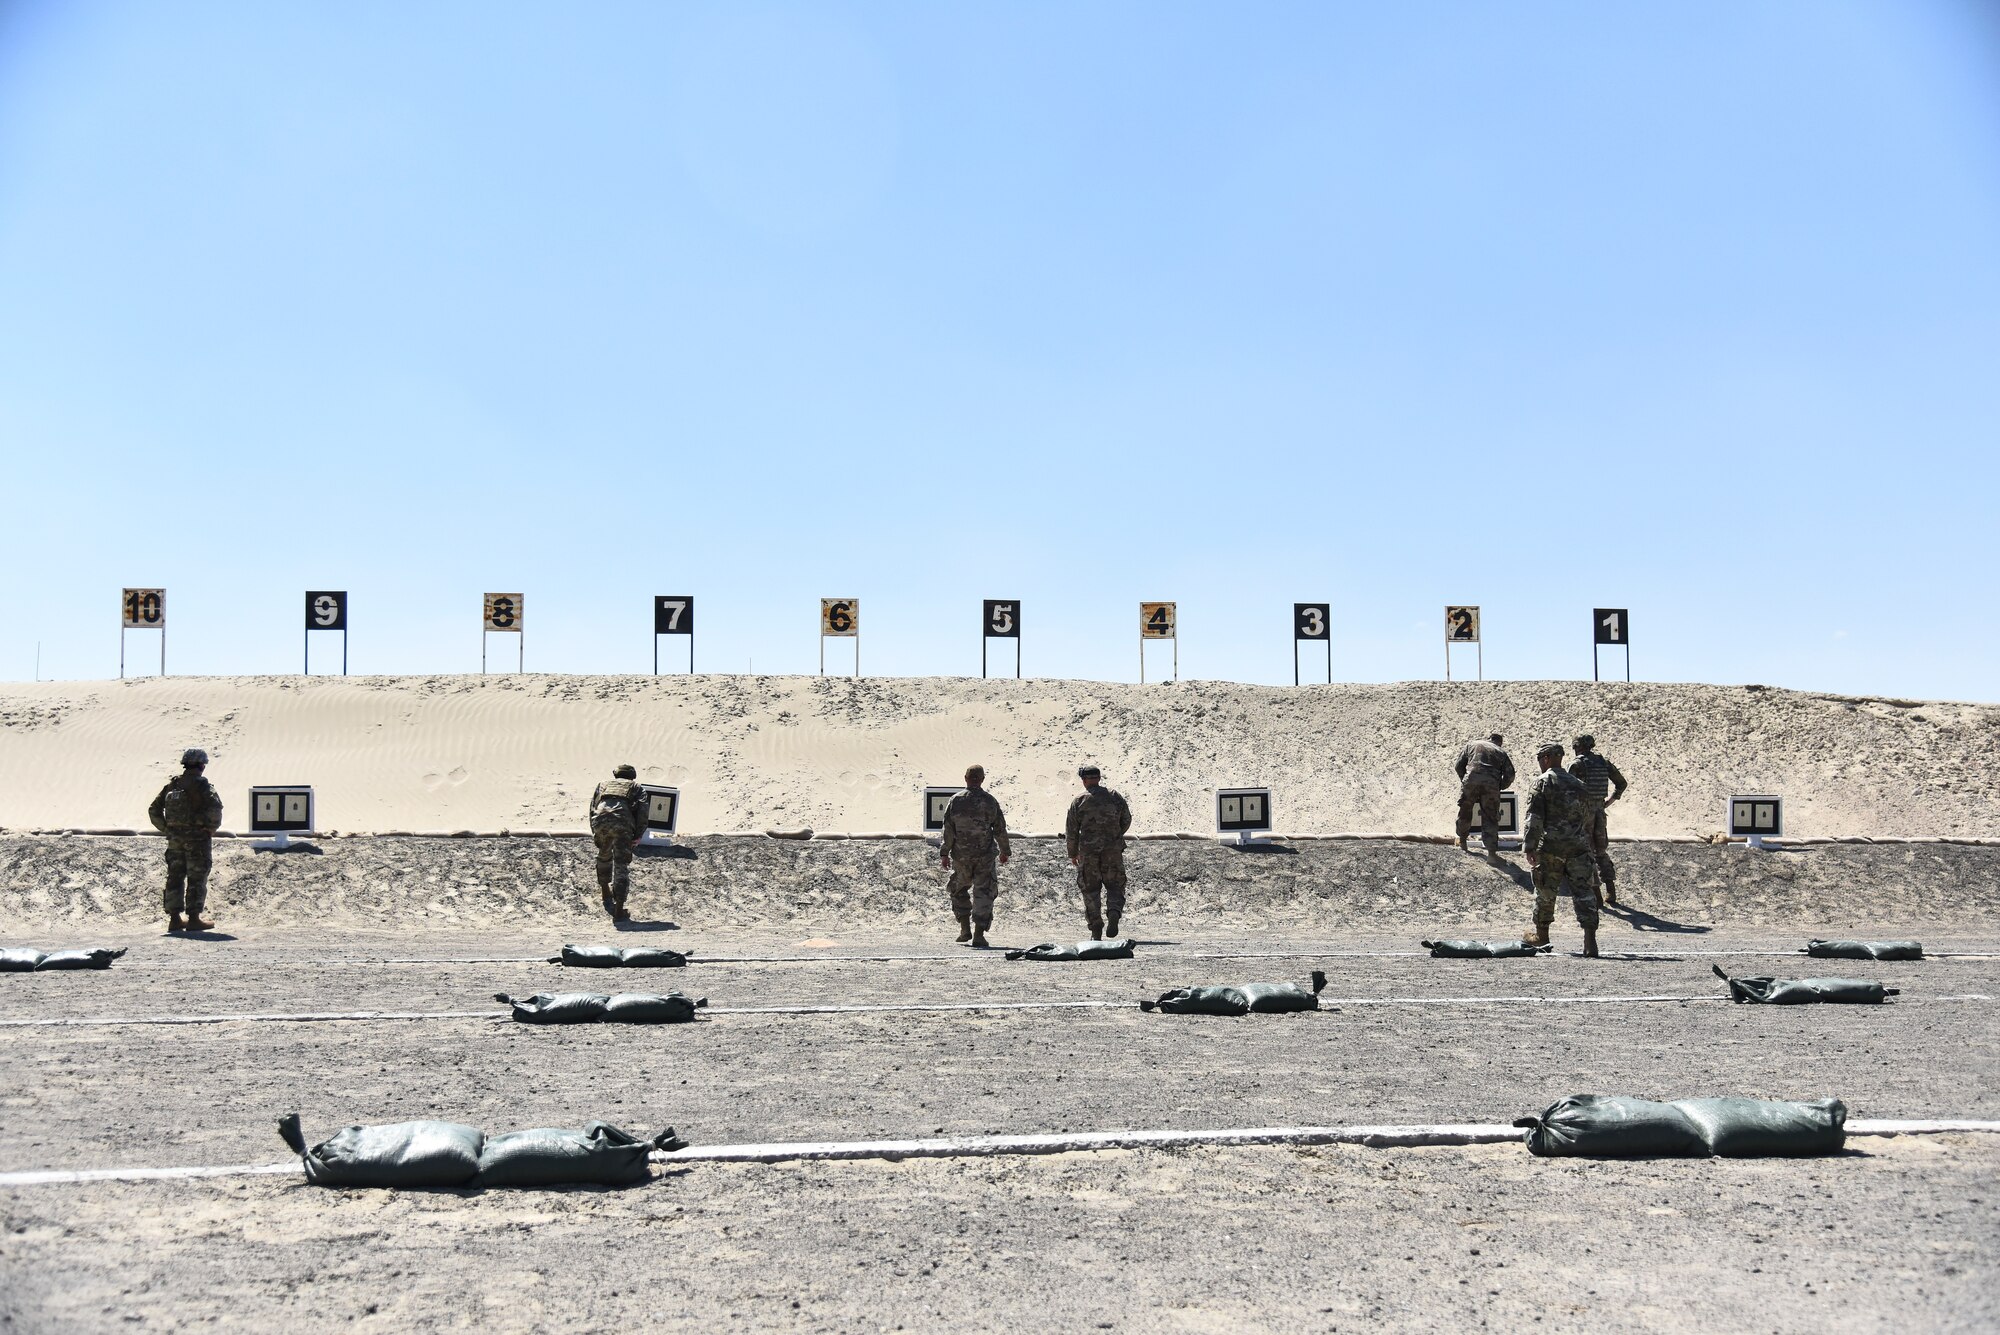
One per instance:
(1387, 1136)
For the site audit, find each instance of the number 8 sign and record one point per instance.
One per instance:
(505, 612)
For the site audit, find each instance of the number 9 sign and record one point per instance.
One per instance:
(840, 616)
(326, 609)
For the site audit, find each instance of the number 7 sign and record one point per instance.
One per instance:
(673, 614)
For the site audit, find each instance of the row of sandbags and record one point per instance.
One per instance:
(451, 1154)
(26, 959)
(1815, 949)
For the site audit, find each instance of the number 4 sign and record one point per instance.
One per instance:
(1610, 626)
(1157, 621)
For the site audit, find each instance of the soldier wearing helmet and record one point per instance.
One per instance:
(189, 812)
(1602, 785)
(1557, 842)
(617, 819)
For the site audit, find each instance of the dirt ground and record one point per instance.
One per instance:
(1896, 1233)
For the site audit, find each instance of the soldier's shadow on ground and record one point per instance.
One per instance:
(676, 851)
(204, 936)
(1519, 875)
(1284, 849)
(293, 847)
(637, 925)
(1640, 921)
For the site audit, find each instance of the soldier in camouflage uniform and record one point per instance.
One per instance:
(974, 828)
(189, 812)
(617, 819)
(1557, 840)
(1096, 828)
(1602, 785)
(1484, 770)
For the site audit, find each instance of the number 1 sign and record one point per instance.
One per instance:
(1610, 625)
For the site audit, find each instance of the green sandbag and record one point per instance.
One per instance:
(599, 1155)
(1242, 999)
(645, 1008)
(19, 959)
(1768, 1128)
(558, 1008)
(77, 959)
(1082, 950)
(1865, 950)
(1482, 950)
(1806, 991)
(614, 957)
(401, 1154)
(1613, 1126)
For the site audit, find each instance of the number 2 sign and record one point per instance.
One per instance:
(1461, 626)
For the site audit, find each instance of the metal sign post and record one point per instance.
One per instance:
(1610, 625)
(1000, 619)
(1461, 626)
(140, 609)
(840, 619)
(1157, 621)
(1312, 621)
(503, 614)
(326, 610)
(673, 614)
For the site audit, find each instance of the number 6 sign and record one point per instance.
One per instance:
(840, 618)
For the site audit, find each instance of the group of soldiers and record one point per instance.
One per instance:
(1565, 839)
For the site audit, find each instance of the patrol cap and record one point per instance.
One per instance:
(193, 757)
(1088, 772)
(1495, 738)
(624, 772)
(1584, 742)
(1547, 747)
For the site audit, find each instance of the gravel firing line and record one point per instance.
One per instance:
(1386, 1136)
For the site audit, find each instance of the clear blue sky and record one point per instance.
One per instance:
(1691, 307)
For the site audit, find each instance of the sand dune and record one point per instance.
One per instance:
(523, 752)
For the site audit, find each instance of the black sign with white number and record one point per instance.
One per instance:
(673, 614)
(1312, 621)
(1001, 620)
(326, 609)
(1611, 625)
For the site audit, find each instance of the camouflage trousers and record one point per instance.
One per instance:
(614, 860)
(1485, 795)
(974, 883)
(1574, 871)
(1100, 874)
(1600, 841)
(189, 857)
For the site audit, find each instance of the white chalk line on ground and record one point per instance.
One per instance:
(1326, 1003)
(1386, 1136)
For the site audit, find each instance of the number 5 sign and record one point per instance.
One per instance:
(142, 609)
(504, 614)
(1157, 621)
(1461, 626)
(840, 618)
(1610, 625)
(1000, 619)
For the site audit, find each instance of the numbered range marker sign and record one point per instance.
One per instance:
(840, 616)
(1242, 811)
(1756, 816)
(282, 809)
(935, 801)
(673, 614)
(1611, 625)
(1156, 621)
(1312, 621)
(1000, 619)
(326, 610)
(1461, 625)
(504, 612)
(143, 609)
(663, 813)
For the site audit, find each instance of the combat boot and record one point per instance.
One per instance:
(197, 923)
(1610, 893)
(979, 938)
(1538, 937)
(174, 923)
(1590, 943)
(1111, 927)
(964, 930)
(1461, 844)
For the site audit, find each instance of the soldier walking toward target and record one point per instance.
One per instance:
(617, 819)
(1484, 771)
(1557, 840)
(1602, 785)
(975, 829)
(189, 812)
(1096, 827)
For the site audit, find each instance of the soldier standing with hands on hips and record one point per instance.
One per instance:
(1096, 828)
(1557, 841)
(1602, 785)
(617, 819)
(974, 826)
(189, 812)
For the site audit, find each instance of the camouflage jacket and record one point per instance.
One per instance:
(619, 802)
(1599, 776)
(973, 824)
(1097, 821)
(1558, 814)
(1483, 760)
(188, 804)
